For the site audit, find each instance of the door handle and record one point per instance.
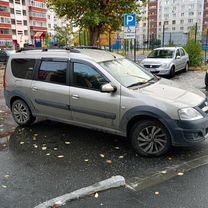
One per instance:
(75, 97)
(34, 89)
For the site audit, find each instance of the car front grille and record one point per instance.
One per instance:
(204, 106)
(152, 66)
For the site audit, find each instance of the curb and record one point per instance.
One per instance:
(113, 182)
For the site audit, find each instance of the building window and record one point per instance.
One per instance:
(5, 20)
(23, 2)
(191, 13)
(190, 20)
(19, 22)
(4, 9)
(25, 32)
(49, 25)
(173, 22)
(173, 28)
(24, 12)
(18, 12)
(17, 1)
(181, 28)
(13, 32)
(182, 14)
(25, 22)
(19, 32)
(182, 21)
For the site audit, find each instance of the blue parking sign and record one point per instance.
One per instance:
(130, 20)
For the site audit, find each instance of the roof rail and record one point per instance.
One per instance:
(71, 49)
(88, 47)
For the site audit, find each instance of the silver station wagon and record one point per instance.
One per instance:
(104, 91)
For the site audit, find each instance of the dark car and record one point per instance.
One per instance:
(4, 55)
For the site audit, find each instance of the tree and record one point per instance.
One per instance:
(194, 51)
(96, 15)
(64, 35)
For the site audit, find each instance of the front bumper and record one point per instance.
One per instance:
(186, 133)
(158, 71)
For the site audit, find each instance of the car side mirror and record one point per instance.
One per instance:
(178, 57)
(108, 88)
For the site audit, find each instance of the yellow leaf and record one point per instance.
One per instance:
(96, 195)
(21, 142)
(60, 156)
(121, 157)
(157, 193)
(102, 155)
(180, 174)
(109, 161)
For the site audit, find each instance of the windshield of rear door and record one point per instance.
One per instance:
(161, 54)
(127, 72)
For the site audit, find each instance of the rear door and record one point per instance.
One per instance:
(50, 89)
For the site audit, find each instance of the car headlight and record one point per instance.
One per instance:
(165, 66)
(189, 114)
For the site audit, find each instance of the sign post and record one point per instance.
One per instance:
(130, 29)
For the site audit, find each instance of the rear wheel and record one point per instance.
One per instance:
(186, 67)
(21, 113)
(150, 138)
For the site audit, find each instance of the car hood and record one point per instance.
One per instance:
(152, 61)
(169, 91)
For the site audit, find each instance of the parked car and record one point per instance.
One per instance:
(104, 91)
(4, 55)
(167, 61)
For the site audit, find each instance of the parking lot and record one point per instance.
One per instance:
(50, 159)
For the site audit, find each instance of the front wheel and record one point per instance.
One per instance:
(21, 113)
(172, 72)
(150, 138)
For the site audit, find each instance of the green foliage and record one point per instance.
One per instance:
(96, 15)
(171, 43)
(64, 35)
(155, 43)
(194, 51)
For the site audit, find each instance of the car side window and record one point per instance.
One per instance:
(182, 52)
(178, 53)
(85, 76)
(23, 68)
(53, 72)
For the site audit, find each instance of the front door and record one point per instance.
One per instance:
(50, 89)
(88, 104)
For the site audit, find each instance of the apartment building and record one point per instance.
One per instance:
(26, 21)
(175, 17)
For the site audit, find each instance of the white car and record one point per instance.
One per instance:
(167, 61)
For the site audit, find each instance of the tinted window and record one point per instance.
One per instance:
(53, 71)
(178, 53)
(87, 77)
(23, 68)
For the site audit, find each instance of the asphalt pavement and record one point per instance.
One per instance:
(50, 159)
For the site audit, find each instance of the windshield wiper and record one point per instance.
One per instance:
(136, 84)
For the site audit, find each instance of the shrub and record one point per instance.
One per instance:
(194, 51)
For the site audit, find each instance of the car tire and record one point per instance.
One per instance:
(186, 67)
(150, 138)
(22, 113)
(172, 72)
(206, 79)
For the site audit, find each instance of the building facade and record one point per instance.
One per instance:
(205, 16)
(25, 22)
(173, 19)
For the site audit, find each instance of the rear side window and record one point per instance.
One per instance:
(23, 68)
(53, 71)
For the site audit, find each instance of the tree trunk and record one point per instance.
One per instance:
(94, 35)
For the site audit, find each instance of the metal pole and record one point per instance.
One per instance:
(195, 32)
(206, 47)
(163, 43)
(79, 38)
(84, 38)
(109, 41)
(135, 49)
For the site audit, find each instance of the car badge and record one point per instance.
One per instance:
(150, 66)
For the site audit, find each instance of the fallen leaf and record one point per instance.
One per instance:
(55, 148)
(86, 160)
(3, 186)
(67, 142)
(170, 158)
(101, 204)
(96, 195)
(60, 156)
(1, 111)
(34, 138)
(6, 176)
(180, 174)
(109, 161)
(35, 145)
(48, 154)
(117, 148)
(43, 145)
(157, 193)
(121, 157)
(44, 148)
(21, 142)
(164, 171)
(102, 155)
(35, 135)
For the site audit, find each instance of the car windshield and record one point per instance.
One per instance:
(127, 72)
(161, 54)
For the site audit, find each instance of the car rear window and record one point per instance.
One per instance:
(23, 68)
